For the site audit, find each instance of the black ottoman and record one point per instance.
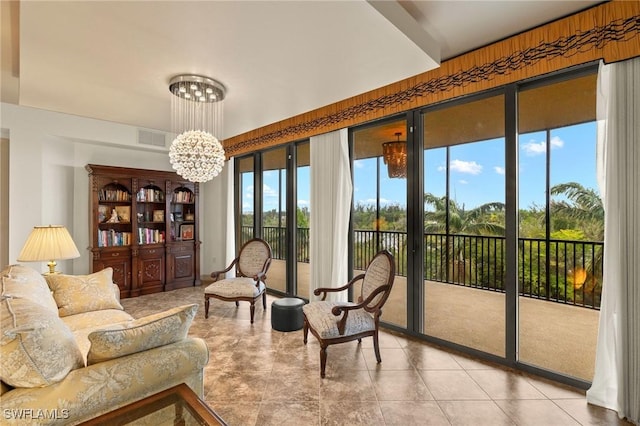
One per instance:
(286, 314)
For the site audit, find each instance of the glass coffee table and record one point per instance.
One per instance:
(178, 405)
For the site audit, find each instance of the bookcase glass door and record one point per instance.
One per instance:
(150, 203)
(114, 216)
(182, 214)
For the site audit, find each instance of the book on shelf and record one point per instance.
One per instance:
(183, 197)
(113, 195)
(113, 238)
(150, 195)
(150, 236)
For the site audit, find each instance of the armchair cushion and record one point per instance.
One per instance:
(322, 320)
(36, 347)
(235, 287)
(75, 294)
(142, 334)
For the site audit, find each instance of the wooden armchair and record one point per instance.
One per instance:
(252, 265)
(339, 322)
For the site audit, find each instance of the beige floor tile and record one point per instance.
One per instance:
(392, 359)
(428, 358)
(294, 413)
(401, 385)
(348, 385)
(352, 413)
(293, 385)
(501, 384)
(452, 385)
(535, 413)
(403, 413)
(474, 413)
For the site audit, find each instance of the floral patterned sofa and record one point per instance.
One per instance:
(69, 352)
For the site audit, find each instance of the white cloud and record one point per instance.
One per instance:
(532, 147)
(358, 164)
(556, 142)
(303, 202)
(499, 170)
(463, 182)
(470, 167)
(442, 168)
(267, 191)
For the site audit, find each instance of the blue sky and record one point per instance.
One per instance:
(477, 171)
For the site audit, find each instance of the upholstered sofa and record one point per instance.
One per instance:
(69, 352)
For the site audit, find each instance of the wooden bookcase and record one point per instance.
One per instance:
(144, 224)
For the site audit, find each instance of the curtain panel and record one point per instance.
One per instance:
(230, 236)
(616, 382)
(331, 191)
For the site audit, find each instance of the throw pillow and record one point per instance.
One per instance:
(76, 294)
(142, 334)
(36, 347)
(22, 282)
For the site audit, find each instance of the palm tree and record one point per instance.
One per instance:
(583, 210)
(583, 206)
(486, 219)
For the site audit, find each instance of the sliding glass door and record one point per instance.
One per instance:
(464, 224)
(380, 205)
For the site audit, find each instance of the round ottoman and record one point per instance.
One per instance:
(286, 314)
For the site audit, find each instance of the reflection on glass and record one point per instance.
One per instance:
(380, 211)
(464, 224)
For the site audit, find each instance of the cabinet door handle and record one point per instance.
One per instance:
(115, 254)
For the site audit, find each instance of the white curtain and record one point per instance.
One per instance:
(330, 202)
(616, 382)
(230, 239)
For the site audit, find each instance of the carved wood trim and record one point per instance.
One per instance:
(610, 31)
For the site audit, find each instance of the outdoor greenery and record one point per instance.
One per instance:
(468, 248)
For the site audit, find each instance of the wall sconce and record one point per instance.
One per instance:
(48, 243)
(394, 154)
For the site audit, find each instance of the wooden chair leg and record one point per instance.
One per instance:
(264, 300)
(305, 330)
(206, 307)
(252, 309)
(237, 303)
(376, 347)
(323, 359)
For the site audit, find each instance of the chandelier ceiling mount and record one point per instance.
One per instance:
(196, 118)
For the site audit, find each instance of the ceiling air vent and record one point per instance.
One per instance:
(146, 137)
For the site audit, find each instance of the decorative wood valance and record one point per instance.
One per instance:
(610, 31)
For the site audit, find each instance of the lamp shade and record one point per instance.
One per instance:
(48, 243)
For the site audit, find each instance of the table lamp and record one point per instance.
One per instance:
(49, 243)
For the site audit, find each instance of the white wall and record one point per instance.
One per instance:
(48, 183)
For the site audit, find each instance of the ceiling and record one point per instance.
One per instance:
(113, 60)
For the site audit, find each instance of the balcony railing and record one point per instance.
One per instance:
(561, 271)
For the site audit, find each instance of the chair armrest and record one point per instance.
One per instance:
(216, 274)
(326, 290)
(338, 310)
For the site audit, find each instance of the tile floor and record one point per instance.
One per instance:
(259, 376)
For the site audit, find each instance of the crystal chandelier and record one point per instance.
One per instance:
(196, 117)
(394, 154)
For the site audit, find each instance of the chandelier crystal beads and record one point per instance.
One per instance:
(196, 117)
